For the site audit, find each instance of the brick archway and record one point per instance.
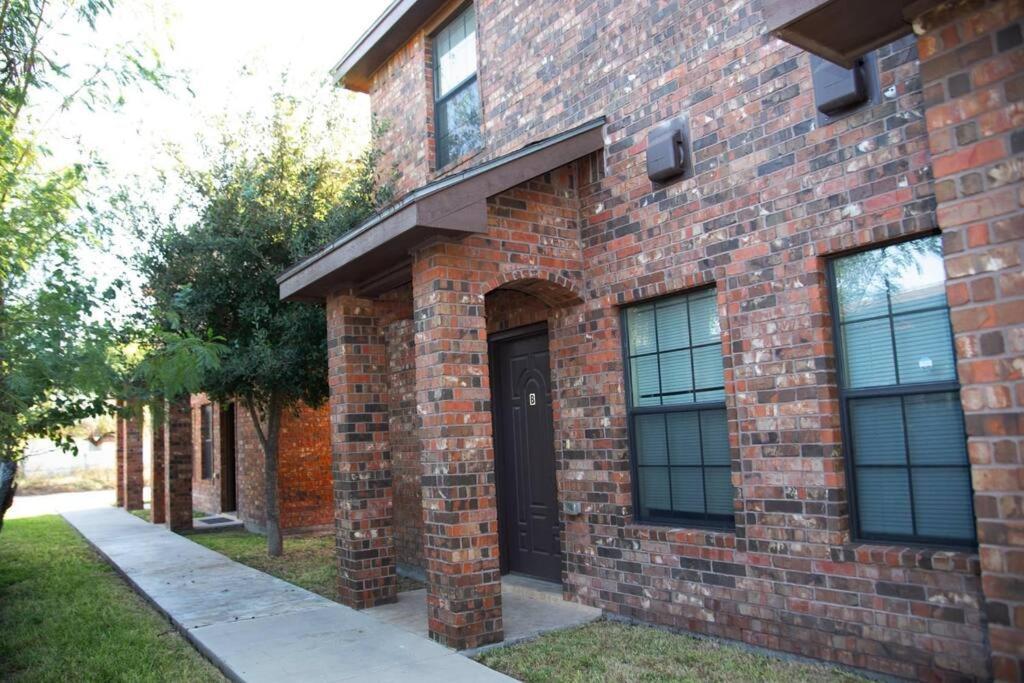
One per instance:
(554, 290)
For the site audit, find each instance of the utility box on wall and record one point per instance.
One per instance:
(668, 151)
(839, 91)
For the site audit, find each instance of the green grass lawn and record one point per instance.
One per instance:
(144, 514)
(610, 651)
(308, 561)
(65, 615)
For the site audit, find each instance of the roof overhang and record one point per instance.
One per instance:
(842, 31)
(387, 35)
(374, 256)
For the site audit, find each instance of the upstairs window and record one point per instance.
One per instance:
(906, 447)
(456, 93)
(206, 435)
(682, 464)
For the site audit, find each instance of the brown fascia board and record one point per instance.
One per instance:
(841, 31)
(386, 36)
(456, 205)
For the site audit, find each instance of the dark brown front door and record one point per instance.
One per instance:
(228, 495)
(524, 439)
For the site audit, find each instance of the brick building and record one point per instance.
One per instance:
(227, 470)
(712, 333)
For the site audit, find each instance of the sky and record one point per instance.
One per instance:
(206, 45)
(225, 57)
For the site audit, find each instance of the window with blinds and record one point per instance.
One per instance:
(456, 92)
(906, 446)
(676, 400)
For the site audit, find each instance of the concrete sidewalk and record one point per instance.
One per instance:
(256, 627)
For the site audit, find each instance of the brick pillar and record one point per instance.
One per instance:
(119, 460)
(158, 467)
(133, 467)
(971, 66)
(178, 471)
(459, 503)
(363, 503)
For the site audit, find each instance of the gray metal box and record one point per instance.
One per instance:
(836, 88)
(839, 91)
(667, 150)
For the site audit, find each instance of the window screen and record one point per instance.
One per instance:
(681, 457)
(206, 434)
(456, 93)
(901, 403)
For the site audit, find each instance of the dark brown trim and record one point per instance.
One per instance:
(842, 31)
(453, 206)
(399, 22)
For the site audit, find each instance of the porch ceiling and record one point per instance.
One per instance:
(375, 256)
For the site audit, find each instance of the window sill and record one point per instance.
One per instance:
(958, 561)
(453, 165)
(719, 537)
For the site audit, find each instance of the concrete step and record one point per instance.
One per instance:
(529, 587)
(218, 522)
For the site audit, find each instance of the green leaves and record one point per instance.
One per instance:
(265, 200)
(57, 360)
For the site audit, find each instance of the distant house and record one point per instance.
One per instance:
(228, 474)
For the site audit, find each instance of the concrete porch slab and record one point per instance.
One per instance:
(529, 608)
(255, 627)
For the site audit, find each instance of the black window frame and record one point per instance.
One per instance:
(465, 84)
(206, 440)
(901, 391)
(711, 522)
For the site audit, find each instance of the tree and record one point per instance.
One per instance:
(55, 336)
(266, 199)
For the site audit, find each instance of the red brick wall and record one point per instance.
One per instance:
(306, 492)
(177, 435)
(403, 427)
(973, 74)
(133, 470)
(252, 499)
(774, 196)
(304, 476)
(400, 96)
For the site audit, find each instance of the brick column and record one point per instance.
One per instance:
(178, 470)
(357, 374)
(460, 510)
(119, 460)
(158, 467)
(133, 467)
(971, 67)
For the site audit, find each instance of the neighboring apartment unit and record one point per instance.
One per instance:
(228, 466)
(710, 332)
